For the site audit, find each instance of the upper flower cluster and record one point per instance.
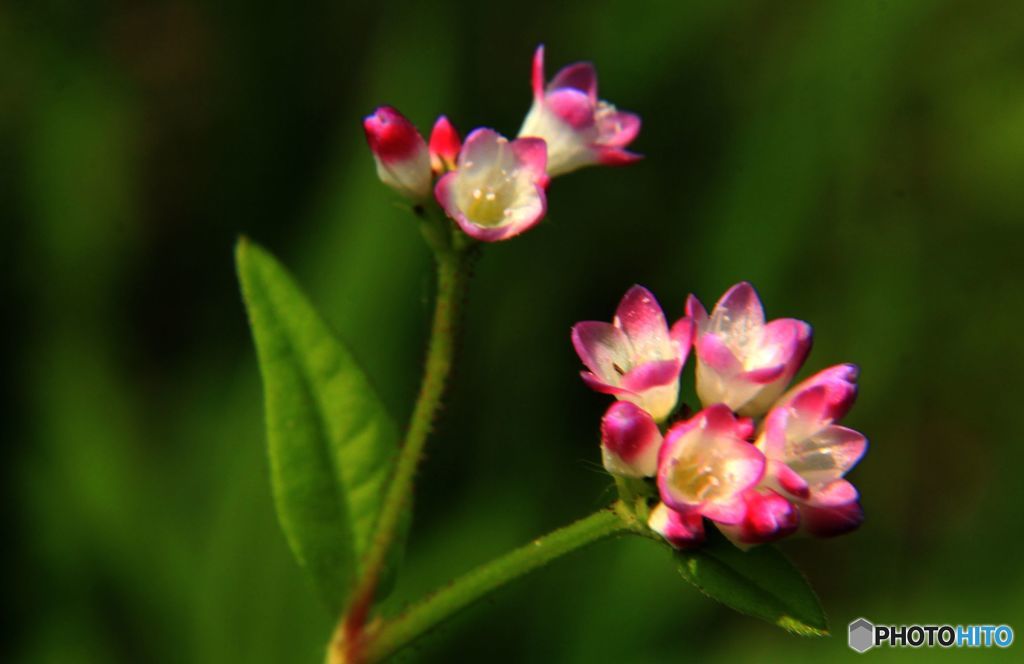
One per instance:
(492, 187)
(758, 461)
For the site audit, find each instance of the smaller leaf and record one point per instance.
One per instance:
(332, 444)
(760, 582)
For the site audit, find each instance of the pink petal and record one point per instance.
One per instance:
(773, 439)
(608, 156)
(788, 479)
(681, 530)
(835, 494)
(730, 511)
(713, 352)
(790, 340)
(789, 335)
(641, 318)
(603, 348)
(839, 383)
(651, 374)
(844, 447)
(532, 153)
(618, 129)
(744, 427)
(482, 146)
(537, 73)
(572, 107)
(738, 312)
(763, 375)
(719, 420)
(677, 434)
(811, 405)
(444, 192)
(579, 76)
(595, 383)
(682, 332)
(831, 521)
(696, 311)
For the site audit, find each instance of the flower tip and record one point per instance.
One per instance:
(848, 372)
(742, 295)
(637, 301)
(537, 73)
(403, 161)
(695, 310)
(444, 145)
(618, 157)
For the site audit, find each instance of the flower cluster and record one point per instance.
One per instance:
(492, 187)
(758, 461)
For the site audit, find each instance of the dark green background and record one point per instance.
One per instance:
(862, 163)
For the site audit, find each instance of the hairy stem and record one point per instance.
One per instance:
(452, 276)
(388, 637)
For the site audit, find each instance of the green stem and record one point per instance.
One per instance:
(388, 637)
(452, 276)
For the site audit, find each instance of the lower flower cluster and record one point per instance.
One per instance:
(758, 461)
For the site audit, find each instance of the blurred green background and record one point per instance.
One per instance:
(862, 163)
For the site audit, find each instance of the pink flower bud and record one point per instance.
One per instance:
(636, 357)
(444, 146)
(629, 441)
(742, 361)
(497, 188)
(579, 128)
(403, 162)
(681, 529)
(768, 517)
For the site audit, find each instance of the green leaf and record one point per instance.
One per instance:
(332, 444)
(760, 582)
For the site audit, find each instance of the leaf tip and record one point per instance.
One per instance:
(791, 624)
(242, 244)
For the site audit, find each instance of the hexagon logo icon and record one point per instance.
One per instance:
(862, 635)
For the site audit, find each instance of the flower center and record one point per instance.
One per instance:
(489, 205)
(705, 473)
(694, 483)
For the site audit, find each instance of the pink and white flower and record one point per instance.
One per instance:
(636, 357)
(808, 454)
(629, 441)
(403, 161)
(497, 188)
(706, 465)
(444, 146)
(579, 128)
(742, 361)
